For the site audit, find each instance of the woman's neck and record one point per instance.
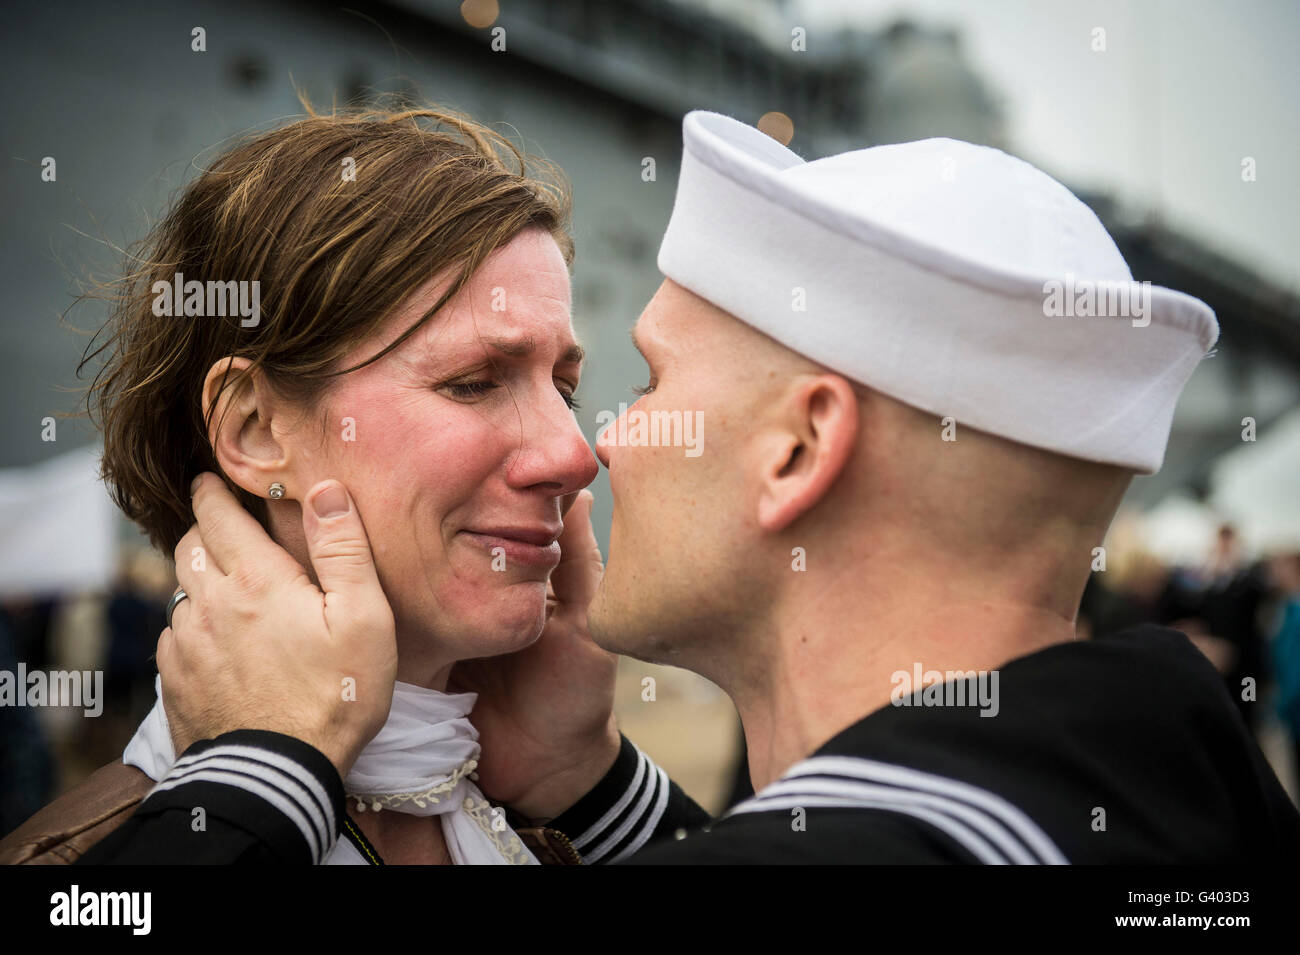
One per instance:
(430, 675)
(403, 839)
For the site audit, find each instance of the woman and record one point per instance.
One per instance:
(370, 298)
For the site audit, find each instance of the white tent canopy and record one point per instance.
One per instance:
(1257, 487)
(59, 527)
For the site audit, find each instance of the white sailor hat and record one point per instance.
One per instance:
(952, 277)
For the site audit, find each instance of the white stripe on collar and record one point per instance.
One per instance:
(963, 835)
(983, 823)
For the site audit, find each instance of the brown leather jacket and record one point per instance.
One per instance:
(64, 831)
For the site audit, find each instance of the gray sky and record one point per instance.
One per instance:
(1161, 119)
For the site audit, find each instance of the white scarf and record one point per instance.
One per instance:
(419, 763)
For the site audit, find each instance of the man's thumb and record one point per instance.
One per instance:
(337, 543)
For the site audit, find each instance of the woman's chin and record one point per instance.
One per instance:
(487, 618)
(510, 619)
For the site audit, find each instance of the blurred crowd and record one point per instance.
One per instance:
(46, 750)
(1241, 610)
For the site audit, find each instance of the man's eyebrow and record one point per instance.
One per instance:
(522, 347)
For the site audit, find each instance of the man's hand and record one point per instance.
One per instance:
(545, 713)
(257, 645)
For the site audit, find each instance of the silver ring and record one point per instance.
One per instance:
(171, 604)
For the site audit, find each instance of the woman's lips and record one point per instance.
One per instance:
(516, 550)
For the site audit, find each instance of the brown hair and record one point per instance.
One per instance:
(333, 257)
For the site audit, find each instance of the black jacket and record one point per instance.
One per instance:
(1126, 750)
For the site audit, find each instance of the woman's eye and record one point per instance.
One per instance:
(477, 389)
(471, 389)
(641, 390)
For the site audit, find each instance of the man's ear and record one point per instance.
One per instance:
(240, 427)
(813, 438)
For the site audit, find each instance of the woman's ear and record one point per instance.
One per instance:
(240, 427)
(813, 438)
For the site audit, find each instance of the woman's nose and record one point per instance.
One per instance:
(556, 452)
(604, 439)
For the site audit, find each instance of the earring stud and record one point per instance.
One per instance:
(277, 491)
